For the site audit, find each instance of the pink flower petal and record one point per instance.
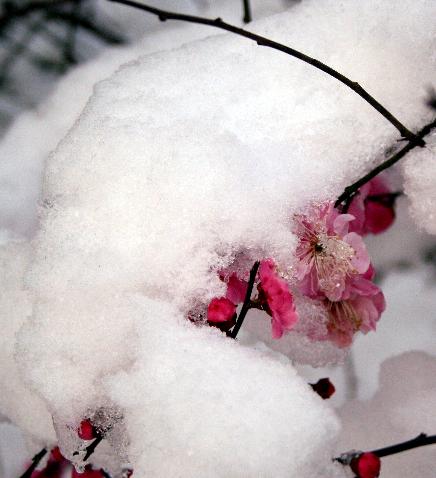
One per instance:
(236, 289)
(360, 261)
(220, 310)
(278, 297)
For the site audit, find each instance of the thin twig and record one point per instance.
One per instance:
(89, 450)
(247, 11)
(247, 302)
(35, 462)
(345, 198)
(421, 440)
(262, 41)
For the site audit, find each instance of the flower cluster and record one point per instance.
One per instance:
(332, 268)
(274, 297)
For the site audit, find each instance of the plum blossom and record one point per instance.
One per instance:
(349, 316)
(236, 289)
(373, 207)
(276, 298)
(329, 255)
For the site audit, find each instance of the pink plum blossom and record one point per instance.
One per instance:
(236, 289)
(373, 207)
(329, 255)
(358, 313)
(278, 301)
(220, 310)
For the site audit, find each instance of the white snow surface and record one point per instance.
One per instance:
(217, 409)
(420, 179)
(17, 402)
(180, 160)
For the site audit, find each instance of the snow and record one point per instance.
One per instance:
(161, 174)
(17, 402)
(198, 412)
(420, 177)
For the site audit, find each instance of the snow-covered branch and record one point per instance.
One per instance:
(164, 15)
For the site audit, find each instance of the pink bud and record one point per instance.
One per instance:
(86, 430)
(366, 465)
(220, 310)
(324, 388)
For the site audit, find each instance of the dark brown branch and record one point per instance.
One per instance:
(246, 306)
(90, 449)
(262, 41)
(346, 197)
(247, 11)
(35, 462)
(421, 440)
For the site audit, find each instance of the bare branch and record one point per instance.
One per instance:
(344, 200)
(421, 440)
(164, 15)
(35, 462)
(246, 306)
(247, 11)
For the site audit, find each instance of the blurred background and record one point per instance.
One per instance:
(40, 40)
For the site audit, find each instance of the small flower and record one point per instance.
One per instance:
(324, 388)
(373, 207)
(366, 465)
(276, 298)
(359, 313)
(329, 256)
(86, 430)
(221, 311)
(236, 289)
